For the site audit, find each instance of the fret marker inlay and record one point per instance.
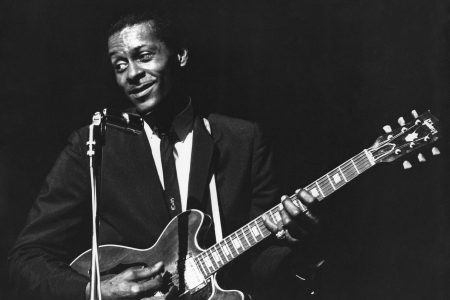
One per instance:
(336, 178)
(255, 230)
(208, 262)
(314, 192)
(215, 256)
(236, 243)
(278, 216)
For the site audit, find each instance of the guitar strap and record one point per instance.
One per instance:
(214, 199)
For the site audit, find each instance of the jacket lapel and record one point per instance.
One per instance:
(141, 181)
(201, 168)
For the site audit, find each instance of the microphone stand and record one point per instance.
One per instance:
(124, 121)
(96, 130)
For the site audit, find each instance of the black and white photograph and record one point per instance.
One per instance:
(225, 150)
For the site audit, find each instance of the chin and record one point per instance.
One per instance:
(147, 105)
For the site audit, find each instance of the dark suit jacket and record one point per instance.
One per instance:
(132, 210)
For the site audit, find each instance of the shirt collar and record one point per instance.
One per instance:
(181, 124)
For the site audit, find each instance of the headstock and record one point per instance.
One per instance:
(423, 130)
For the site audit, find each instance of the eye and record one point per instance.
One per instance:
(145, 56)
(120, 66)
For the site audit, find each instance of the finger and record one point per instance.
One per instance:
(297, 221)
(286, 220)
(305, 197)
(151, 285)
(269, 224)
(172, 294)
(142, 273)
(291, 208)
(291, 239)
(307, 205)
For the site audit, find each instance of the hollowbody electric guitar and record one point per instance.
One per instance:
(193, 269)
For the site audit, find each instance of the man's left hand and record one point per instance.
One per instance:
(296, 220)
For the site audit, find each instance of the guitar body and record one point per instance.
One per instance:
(176, 244)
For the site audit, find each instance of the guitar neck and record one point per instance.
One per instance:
(218, 255)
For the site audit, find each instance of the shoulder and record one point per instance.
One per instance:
(234, 126)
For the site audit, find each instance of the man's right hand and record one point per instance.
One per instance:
(133, 283)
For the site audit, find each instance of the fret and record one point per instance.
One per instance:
(315, 191)
(347, 169)
(219, 251)
(224, 252)
(237, 243)
(342, 173)
(361, 162)
(215, 255)
(325, 186)
(231, 247)
(227, 251)
(202, 267)
(212, 260)
(354, 166)
(331, 182)
(273, 217)
(264, 231)
(208, 264)
(336, 177)
(299, 204)
(369, 157)
(245, 236)
(251, 232)
(255, 231)
(241, 239)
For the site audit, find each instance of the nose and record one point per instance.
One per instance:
(134, 72)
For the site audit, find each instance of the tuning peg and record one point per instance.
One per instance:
(407, 165)
(421, 158)
(435, 151)
(387, 128)
(401, 121)
(414, 114)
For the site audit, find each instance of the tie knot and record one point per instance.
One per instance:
(168, 136)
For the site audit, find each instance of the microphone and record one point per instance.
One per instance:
(123, 120)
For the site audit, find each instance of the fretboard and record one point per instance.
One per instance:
(218, 255)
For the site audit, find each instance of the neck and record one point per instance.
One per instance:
(163, 115)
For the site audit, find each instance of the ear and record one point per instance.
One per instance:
(183, 56)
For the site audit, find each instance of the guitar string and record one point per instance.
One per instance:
(361, 164)
(244, 231)
(360, 160)
(242, 234)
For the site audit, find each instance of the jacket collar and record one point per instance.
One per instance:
(201, 165)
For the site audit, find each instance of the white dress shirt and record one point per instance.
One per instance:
(182, 125)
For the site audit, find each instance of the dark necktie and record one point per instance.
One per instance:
(172, 190)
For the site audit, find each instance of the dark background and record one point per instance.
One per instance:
(322, 77)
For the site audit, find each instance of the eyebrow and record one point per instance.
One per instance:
(136, 49)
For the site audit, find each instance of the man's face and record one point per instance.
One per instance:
(145, 68)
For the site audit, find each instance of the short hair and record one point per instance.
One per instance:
(164, 22)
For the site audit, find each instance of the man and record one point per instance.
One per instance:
(138, 193)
